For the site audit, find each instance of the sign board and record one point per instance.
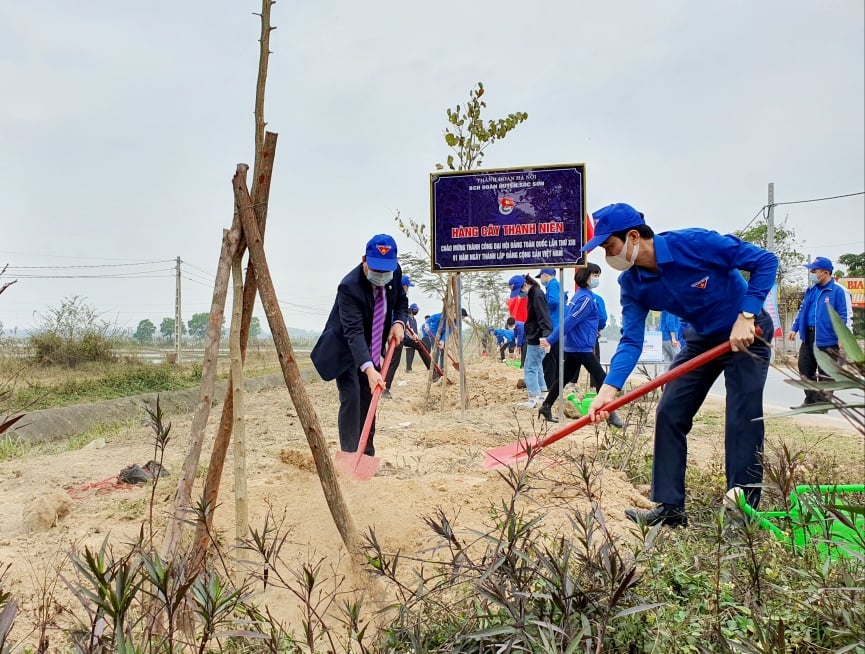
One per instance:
(652, 347)
(508, 218)
(856, 288)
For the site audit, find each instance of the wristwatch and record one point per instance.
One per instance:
(747, 315)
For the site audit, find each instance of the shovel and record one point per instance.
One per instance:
(358, 465)
(508, 454)
(425, 351)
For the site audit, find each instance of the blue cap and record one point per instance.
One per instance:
(821, 263)
(611, 219)
(546, 271)
(490, 330)
(516, 283)
(406, 281)
(381, 253)
(414, 307)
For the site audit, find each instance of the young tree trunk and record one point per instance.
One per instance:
(183, 496)
(291, 372)
(241, 506)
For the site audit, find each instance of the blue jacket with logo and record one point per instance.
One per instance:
(581, 323)
(813, 312)
(698, 280)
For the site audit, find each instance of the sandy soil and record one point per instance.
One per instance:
(430, 458)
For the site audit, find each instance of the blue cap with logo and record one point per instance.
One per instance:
(516, 283)
(406, 281)
(611, 219)
(414, 307)
(820, 263)
(381, 253)
(546, 271)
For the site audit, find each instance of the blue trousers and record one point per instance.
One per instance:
(744, 377)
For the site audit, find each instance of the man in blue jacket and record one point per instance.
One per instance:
(370, 309)
(505, 341)
(814, 324)
(694, 274)
(669, 326)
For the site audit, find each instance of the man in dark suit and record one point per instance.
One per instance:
(343, 351)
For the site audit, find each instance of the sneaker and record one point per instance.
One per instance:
(386, 395)
(528, 404)
(663, 514)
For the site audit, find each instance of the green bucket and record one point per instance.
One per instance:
(583, 404)
(820, 516)
(514, 364)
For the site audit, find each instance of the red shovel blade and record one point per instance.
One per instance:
(358, 465)
(361, 467)
(508, 454)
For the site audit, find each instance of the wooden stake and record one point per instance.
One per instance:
(291, 372)
(183, 495)
(250, 289)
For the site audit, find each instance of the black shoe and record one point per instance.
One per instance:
(386, 395)
(663, 514)
(546, 412)
(615, 421)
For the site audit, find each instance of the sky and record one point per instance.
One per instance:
(122, 123)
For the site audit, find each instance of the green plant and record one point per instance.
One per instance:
(847, 370)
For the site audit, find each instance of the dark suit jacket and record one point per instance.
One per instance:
(348, 331)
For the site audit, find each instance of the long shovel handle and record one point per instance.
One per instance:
(423, 348)
(510, 453)
(373, 404)
(641, 390)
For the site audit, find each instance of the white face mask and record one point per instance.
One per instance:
(620, 261)
(594, 282)
(379, 278)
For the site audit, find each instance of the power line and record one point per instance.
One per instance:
(763, 209)
(142, 274)
(831, 197)
(102, 265)
(189, 265)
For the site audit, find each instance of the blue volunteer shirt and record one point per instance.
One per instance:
(503, 336)
(698, 280)
(519, 332)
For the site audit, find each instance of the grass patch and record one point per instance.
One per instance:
(44, 387)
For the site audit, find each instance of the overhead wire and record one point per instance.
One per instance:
(101, 265)
(763, 209)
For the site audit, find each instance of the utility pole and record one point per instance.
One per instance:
(770, 221)
(178, 325)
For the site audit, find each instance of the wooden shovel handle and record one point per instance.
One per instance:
(373, 404)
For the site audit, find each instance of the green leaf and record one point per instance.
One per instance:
(846, 338)
(812, 385)
(827, 362)
(450, 139)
